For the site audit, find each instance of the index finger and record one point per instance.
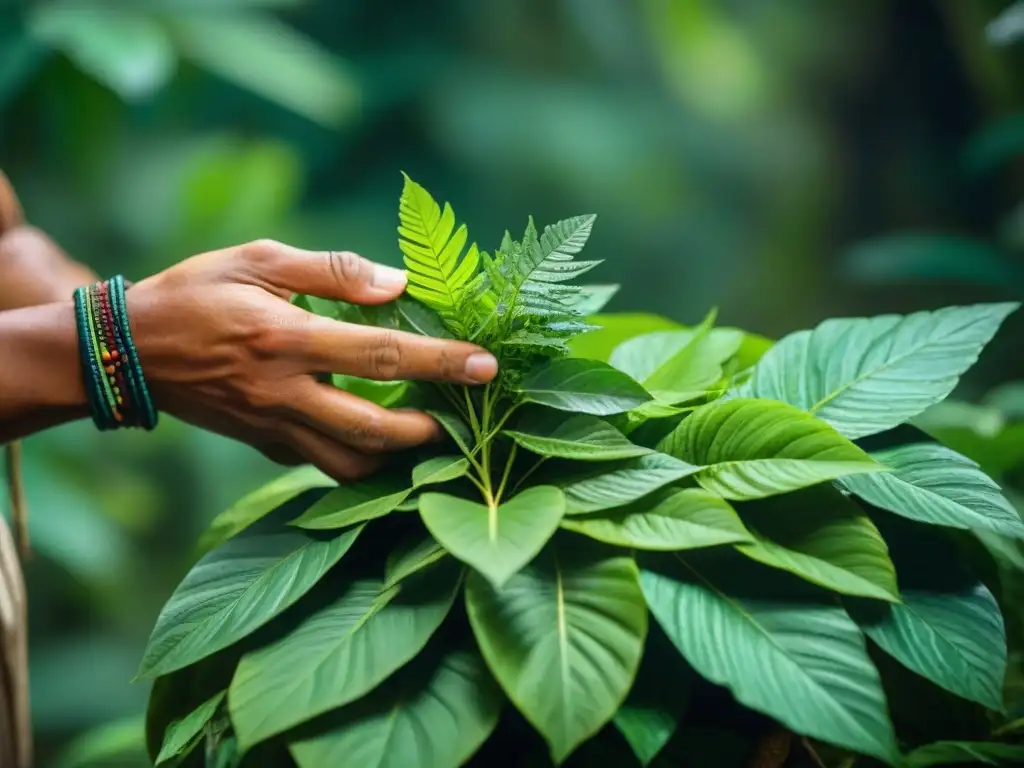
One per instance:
(386, 355)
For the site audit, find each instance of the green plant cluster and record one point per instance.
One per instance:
(634, 527)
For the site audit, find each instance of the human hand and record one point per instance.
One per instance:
(221, 347)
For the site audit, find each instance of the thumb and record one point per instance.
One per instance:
(339, 275)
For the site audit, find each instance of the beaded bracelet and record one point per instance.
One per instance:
(114, 384)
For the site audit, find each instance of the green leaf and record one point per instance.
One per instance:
(109, 744)
(564, 638)
(801, 662)
(456, 429)
(260, 503)
(583, 386)
(181, 735)
(291, 70)
(582, 438)
(354, 503)
(944, 753)
(867, 375)
(433, 247)
(749, 449)
(667, 520)
(675, 366)
(440, 469)
(383, 393)
(496, 541)
(936, 485)
(955, 639)
(609, 486)
(236, 589)
(615, 329)
(658, 699)
(821, 536)
(410, 557)
(428, 716)
(593, 298)
(338, 654)
(127, 51)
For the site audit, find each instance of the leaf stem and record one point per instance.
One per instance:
(527, 473)
(508, 470)
(471, 412)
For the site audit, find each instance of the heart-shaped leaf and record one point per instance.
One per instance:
(750, 449)
(582, 438)
(583, 386)
(496, 541)
(337, 654)
(564, 638)
(933, 484)
(867, 375)
(666, 520)
(433, 714)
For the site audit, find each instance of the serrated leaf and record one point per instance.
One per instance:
(354, 503)
(667, 520)
(236, 589)
(750, 449)
(955, 639)
(582, 386)
(823, 537)
(440, 469)
(933, 484)
(564, 639)
(437, 265)
(499, 541)
(431, 715)
(260, 503)
(593, 298)
(607, 487)
(411, 557)
(338, 654)
(803, 663)
(581, 438)
(180, 736)
(867, 375)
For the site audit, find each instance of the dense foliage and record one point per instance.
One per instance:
(807, 556)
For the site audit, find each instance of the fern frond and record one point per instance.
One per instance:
(439, 271)
(549, 259)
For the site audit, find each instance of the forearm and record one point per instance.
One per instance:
(40, 374)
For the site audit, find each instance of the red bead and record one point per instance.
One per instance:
(114, 354)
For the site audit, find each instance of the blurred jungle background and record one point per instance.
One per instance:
(785, 161)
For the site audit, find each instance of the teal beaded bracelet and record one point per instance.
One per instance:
(114, 384)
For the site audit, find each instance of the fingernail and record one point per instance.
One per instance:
(388, 278)
(481, 367)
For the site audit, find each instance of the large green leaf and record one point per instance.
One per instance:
(781, 652)
(823, 537)
(582, 438)
(934, 484)
(238, 588)
(609, 486)
(666, 520)
(182, 735)
(564, 638)
(496, 541)
(355, 503)
(867, 375)
(431, 715)
(955, 639)
(456, 429)
(945, 753)
(750, 449)
(337, 654)
(583, 386)
(260, 503)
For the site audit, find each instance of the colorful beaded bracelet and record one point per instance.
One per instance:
(114, 384)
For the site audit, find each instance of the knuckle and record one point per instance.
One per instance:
(347, 267)
(385, 357)
(260, 254)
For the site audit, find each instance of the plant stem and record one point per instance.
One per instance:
(527, 473)
(504, 475)
(471, 413)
